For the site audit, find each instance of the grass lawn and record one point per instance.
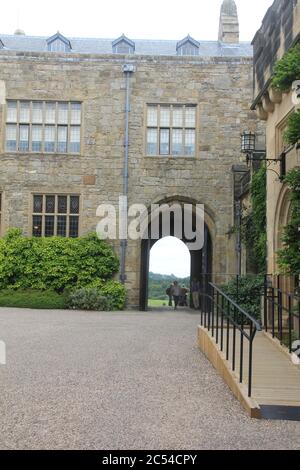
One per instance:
(157, 303)
(32, 299)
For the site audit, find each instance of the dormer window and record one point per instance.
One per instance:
(123, 45)
(1, 44)
(188, 46)
(58, 43)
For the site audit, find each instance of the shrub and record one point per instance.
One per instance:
(113, 291)
(54, 263)
(88, 299)
(248, 293)
(287, 70)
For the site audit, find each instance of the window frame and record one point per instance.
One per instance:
(171, 127)
(281, 126)
(55, 214)
(33, 123)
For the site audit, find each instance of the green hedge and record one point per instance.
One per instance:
(33, 299)
(54, 263)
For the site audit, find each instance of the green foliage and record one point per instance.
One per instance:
(246, 293)
(54, 263)
(88, 299)
(158, 284)
(289, 256)
(292, 133)
(112, 290)
(287, 70)
(253, 230)
(33, 299)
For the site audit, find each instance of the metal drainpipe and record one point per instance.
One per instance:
(128, 69)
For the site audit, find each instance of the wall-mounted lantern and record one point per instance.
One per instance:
(248, 148)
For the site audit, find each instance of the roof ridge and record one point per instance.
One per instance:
(202, 41)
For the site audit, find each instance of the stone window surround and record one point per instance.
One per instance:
(171, 156)
(279, 130)
(45, 193)
(43, 124)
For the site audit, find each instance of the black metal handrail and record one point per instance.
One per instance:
(282, 309)
(220, 314)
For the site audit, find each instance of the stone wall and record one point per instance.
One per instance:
(222, 90)
(280, 30)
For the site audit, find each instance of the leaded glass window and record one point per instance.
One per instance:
(55, 215)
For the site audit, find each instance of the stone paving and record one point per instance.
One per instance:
(129, 380)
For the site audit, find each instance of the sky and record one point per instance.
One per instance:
(170, 256)
(138, 19)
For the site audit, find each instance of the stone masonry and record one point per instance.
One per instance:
(221, 87)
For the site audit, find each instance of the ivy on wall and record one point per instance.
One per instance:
(289, 256)
(287, 70)
(253, 230)
(292, 133)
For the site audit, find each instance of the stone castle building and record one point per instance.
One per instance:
(279, 32)
(84, 121)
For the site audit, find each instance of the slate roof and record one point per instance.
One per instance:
(24, 43)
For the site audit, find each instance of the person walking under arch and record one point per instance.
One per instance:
(176, 293)
(195, 287)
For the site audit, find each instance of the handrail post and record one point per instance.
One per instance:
(228, 331)
(242, 352)
(273, 312)
(280, 315)
(213, 313)
(290, 308)
(222, 323)
(266, 303)
(234, 339)
(217, 320)
(250, 363)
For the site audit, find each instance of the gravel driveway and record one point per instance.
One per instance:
(78, 380)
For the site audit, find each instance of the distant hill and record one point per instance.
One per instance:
(158, 283)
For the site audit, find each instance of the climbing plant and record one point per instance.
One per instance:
(287, 69)
(253, 231)
(289, 256)
(292, 133)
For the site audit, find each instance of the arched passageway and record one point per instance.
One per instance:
(201, 260)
